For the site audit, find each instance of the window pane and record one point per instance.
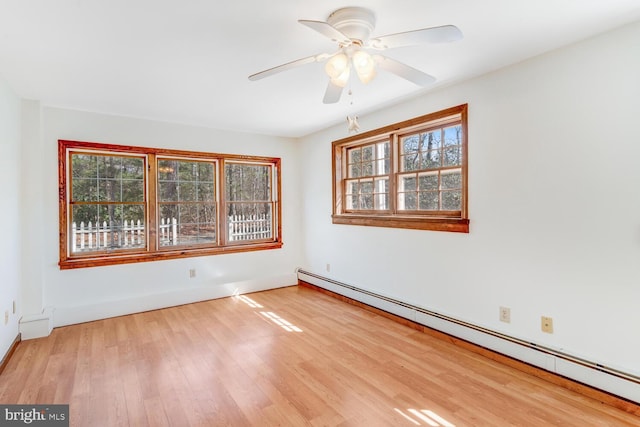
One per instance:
(187, 191)
(167, 225)
(407, 201)
(451, 200)
(84, 165)
(408, 183)
(167, 212)
(252, 209)
(205, 172)
(429, 182)
(247, 182)
(195, 233)
(381, 201)
(207, 233)
(132, 190)
(410, 144)
(168, 191)
(429, 200)
(451, 180)
(84, 190)
(187, 224)
(453, 136)
(181, 180)
(133, 212)
(110, 167)
(367, 168)
(168, 170)
(355, 170)
(98, 227)
(366, 187)
(430, 140)
(353, 187)
(384, 166)
(367, 153)
(381, 198)
(250, 221)
(452, 156)
(249, 201)
(187, 171)
(411, 162)
(382, 185)
(207, 214)
(109, 190)
(367, 201)
(352, 201)
(368, 160)
(84, 213)
(107, 204)
(355, 155)
(206, 191)
(107, 178)
(430, 159)
(132, 168)
(187, 213)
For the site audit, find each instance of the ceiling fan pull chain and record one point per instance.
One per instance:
(352, 121)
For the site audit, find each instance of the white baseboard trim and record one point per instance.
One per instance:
(625, 385)
(37, 325)
(69, 315)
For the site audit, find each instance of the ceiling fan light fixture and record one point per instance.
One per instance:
(364, 65)
(343, 78)
(337, 65)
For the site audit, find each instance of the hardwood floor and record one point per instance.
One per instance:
(286, 357)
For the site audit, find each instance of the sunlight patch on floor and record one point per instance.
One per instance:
(287, 326)
(251, 303)
(429, 418)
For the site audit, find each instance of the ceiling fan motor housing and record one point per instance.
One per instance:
(357, 23)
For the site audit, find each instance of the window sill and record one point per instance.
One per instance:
(455, 225)
(96, 261)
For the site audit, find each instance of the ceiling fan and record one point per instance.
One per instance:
(351, 28)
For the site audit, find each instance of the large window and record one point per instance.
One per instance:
(121, 204)
(408, 175)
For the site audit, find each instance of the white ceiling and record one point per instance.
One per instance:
(188, 61)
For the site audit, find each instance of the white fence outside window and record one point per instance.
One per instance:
(92, 237)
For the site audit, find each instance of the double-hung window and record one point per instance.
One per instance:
(121, 204)
(408, 175)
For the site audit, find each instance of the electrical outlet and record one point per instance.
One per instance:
(192, 273)
(328, 267)
(546, 324)
(505, 314)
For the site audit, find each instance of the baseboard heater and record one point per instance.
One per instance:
(593, 374)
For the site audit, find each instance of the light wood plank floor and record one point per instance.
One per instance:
(286, 357)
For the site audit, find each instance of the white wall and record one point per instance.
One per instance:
(554, 202)
(92, 293)
(10, 220)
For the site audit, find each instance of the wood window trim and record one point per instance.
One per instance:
(153, 252)
(385, 218)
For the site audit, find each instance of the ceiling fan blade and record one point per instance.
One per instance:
(404, 71)
(326, 30)
(288, 66)
(443, 34)
(332, 94)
